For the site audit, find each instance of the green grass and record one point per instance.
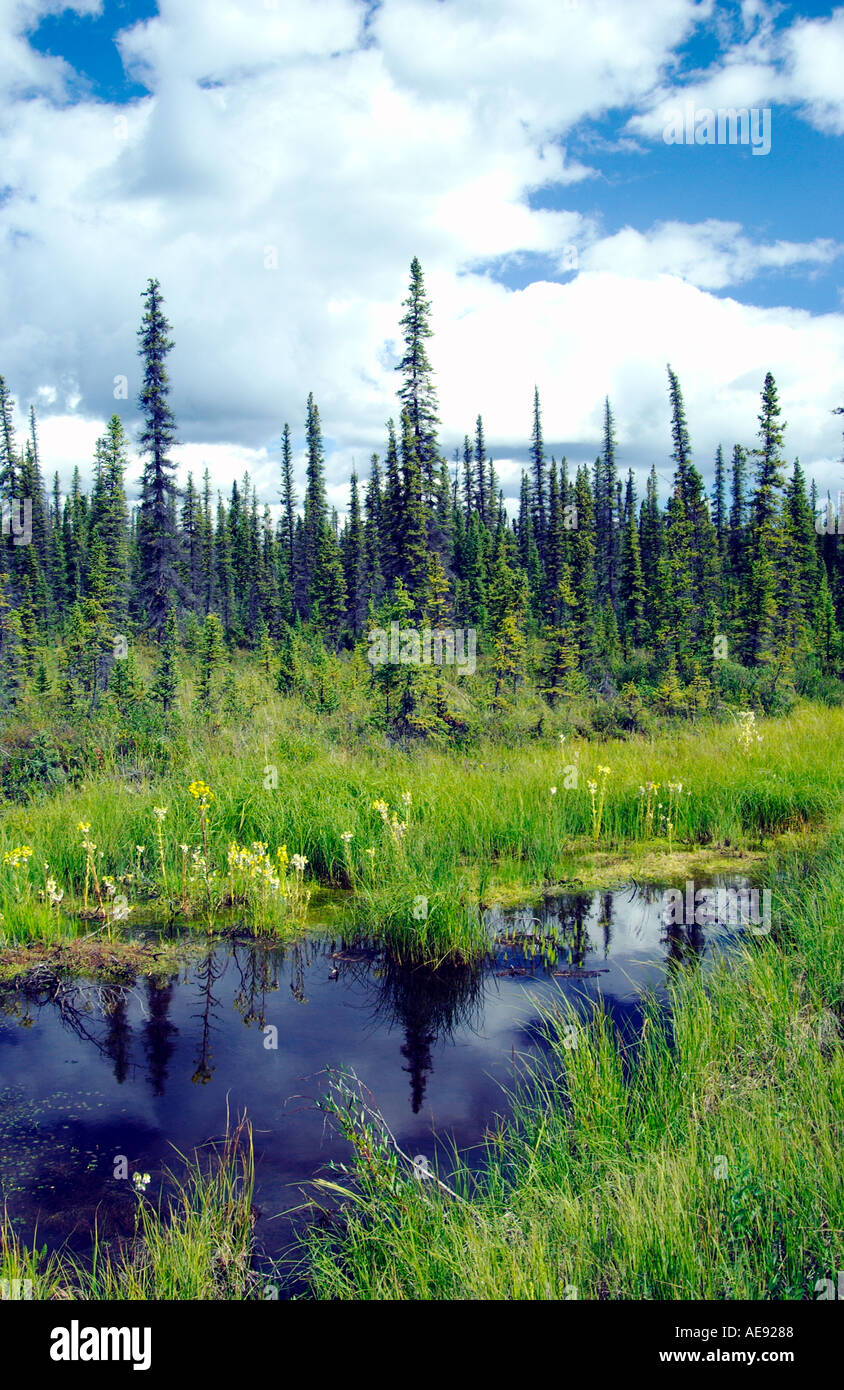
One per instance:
(195, 1245)
(480, 824)
(703, 1163)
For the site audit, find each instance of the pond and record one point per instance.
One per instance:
(251, 1026)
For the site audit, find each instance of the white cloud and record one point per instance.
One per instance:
(65, 442)
(814, 52)
(341, 149)
(607, 333)
(230, 39)
(711, 254)
(799, 66)
(22, 69)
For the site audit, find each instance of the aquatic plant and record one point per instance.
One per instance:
(749, 735)
(485, 831)
(262, 882)
(597, 794)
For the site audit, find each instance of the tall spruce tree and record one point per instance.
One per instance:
(719, 502)
(288, 504)
(417, 392)
(765, 596)
(606, 519)
(158, 547)
(483, 501)
(108, 526)
(316, 518)
(354, 564)
(537, 458)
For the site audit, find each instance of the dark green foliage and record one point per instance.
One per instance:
(417, 392)
(158, 547)
(166, 680)
(584, 592)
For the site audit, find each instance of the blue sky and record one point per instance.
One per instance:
(86, 42)
(276, 166)
(795, 193)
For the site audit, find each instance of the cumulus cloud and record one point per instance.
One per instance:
(814, 59)
(22, 69)
(620, 331)
(799, 66)
(288, 161)
(712, 255)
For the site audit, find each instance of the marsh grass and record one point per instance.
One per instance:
(475, 821)
(25, 1265)
(196, 1243)
(701, 1162)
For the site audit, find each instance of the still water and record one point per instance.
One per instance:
(440, 1050)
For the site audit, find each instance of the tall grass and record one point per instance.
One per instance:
(195, 1244)
(475, 823)
(702, 1163)
(25, 1270)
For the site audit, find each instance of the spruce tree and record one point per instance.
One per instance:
(468, 477)
(165, 682)
(414, 539)
(606, 521)
(555, 544)
(354, 563)
(719, 502)
(483, 501)
(327, 593)
(583, 581)
(288, 505)
(8, 448)
(211, 665)
(507, 606)
(561, 675)
(12, 675)
(57, 564)
(766, 592)
(802, 599)
(224, 573)
(191, 531)
(632, 579)
(32, 488)
(690, 585)
(316, 518)
(417, 392)
(391, 511)
(650, 539)
(108, 526)
(537, 457)
(373, 575)
(157, 538)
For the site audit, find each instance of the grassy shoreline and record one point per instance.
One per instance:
(196, 1244)
(453, 831)
(702, 1164)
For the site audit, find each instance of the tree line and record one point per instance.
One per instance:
(588, 586)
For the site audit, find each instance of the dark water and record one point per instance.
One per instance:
(439, 1049)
